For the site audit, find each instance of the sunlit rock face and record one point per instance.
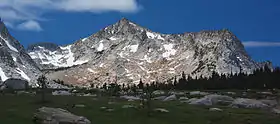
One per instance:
(126, 52)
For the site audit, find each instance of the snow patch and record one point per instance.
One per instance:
(169, 50)
(90, 70)
(14, 58)
(148, 59)
(132, 23)
(171, 72)
(58, 59)
(153, 36)
(101, 65)
(113, 38)
(160, 38)
(8, 44)
(23, 75)
(134, 48)
(70, 56)
(150, 35)
(84, 39)
(2, 75)
(239, 59)
(100, 47)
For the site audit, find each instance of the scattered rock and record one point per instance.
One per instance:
(128, 106)
(25, 93)
(170, 98)
(183, 98)
(198, 93)
(180, 93)
(103, 107)
(159, 98)
(130, 100)
(110, 103)
(158, 92)
(215, 109)
(130, 97)
(276, 110)
(176, 93)
(231, 93)
(93, 95)
(109, 110)
(271, 103)
(191, 100)
(212, 100)
(46, 115)
(161, 110)
(248, 103)
(265, 93)
(61, 93)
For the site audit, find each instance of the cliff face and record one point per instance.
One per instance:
(14, 60)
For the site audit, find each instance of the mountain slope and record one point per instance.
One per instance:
(125, 52)
(14, 61)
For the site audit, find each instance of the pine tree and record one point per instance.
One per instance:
(42, 82)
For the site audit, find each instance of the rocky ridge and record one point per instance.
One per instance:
(14, 60)
(126, 52)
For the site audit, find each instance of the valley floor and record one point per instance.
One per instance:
(19, 110)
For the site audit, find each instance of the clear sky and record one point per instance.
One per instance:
(255, 22)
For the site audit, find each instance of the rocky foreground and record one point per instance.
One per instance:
(193, 107)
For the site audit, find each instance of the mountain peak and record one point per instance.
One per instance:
(124, 20)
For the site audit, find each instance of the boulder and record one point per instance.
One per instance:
(61, 93)
(276, 110)
(130, 97)
(16, 84)
(159, 98)
(265, 93)
(212, 100)
(248, 103)
(170, 98)
(46, 115)
(161, 110)
(158, 92)
(183, 98)
(176, 93)
(231, 93)
(198, 93)
(110, 110)
(128, 106)
(215, 110)
(271, 103)
(103, 107)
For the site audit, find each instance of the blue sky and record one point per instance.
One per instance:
(255, 22)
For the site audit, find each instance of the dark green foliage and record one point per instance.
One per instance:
(42, 81)
(260, 79)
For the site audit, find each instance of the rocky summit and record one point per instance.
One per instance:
(14, 60)
(126, 52)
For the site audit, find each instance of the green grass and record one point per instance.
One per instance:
(20, 109)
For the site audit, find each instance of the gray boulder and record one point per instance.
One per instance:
(16, 84)
(159, 98)
(170, 98)
(46, 115)
(212, 100)
(248, 103)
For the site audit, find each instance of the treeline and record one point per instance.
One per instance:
(264, 78)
